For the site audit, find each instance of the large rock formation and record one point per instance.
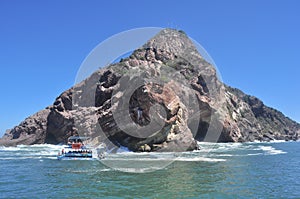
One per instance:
(163, 97)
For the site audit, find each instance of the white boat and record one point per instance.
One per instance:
(76, 150)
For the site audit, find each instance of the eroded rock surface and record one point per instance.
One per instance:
(163, 97)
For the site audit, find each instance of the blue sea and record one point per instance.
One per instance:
(223, 170)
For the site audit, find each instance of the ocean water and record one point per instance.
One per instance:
(231, 170)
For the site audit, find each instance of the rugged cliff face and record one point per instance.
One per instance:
(163, 97)
(257, 121)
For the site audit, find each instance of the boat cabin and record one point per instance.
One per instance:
(76, 142)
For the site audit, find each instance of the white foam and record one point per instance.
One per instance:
(199, 159)
(253, 154)
(123, 150)
(271, 151)
(26, 157)
(36, 147)
(163, 158)
(139, 170)
(102, 170)
(36, 151)
(266, 142)
(224, 155)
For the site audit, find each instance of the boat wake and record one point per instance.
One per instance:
(209, 152)
(38, 151)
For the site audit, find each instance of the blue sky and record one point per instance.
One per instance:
(255, 44)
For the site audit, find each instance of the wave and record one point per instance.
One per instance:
(180, 159)
(271, 141)
(210, 152)
(138, 170)
(32, 147)
(200, 159)
(37, 151)
(271, 150)
(89, 171)
(25, 158)
(228, 150)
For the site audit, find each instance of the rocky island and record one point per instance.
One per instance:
(164, 97)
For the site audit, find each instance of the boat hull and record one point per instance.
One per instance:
(64, 157)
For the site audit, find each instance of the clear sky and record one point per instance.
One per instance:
(255, 44)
